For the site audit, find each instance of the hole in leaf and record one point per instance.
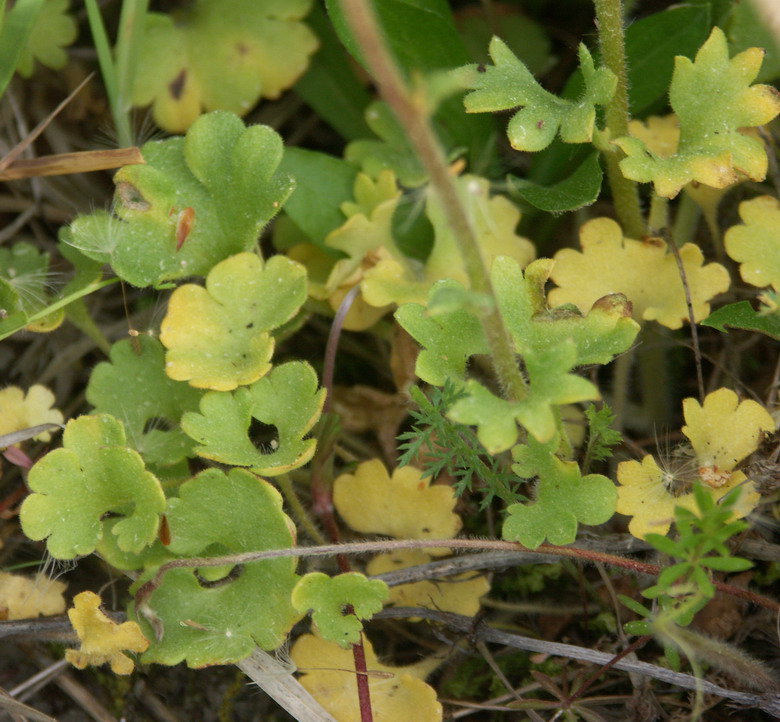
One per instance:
(157, 423)
(265, 436)
(231, 576)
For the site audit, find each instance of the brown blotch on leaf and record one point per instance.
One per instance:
(176, 87)
(131, 197)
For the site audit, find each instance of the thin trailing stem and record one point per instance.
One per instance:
(411, 111)
(587, 555)
(691, 318)
(609, 19)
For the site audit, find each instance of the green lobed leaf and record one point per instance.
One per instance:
(287, 399)
(448, 340)
(741, 315)
(564, 497)
(25, 287)
(134, 387)
(508, 84)
(713, 99)
(219, 337)
(220, 621)
(222, 179)
(75, 486)
(552, 343)
(331, 599)
(53, 30)
(17, 25)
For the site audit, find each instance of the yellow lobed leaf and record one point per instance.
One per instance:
(405, 505)
(756, 244)
(459, 594)
(22, 597)
(18, 411)
(220, 55)
(102, 640)
(722, 431)
(397, 693)
(642, 270)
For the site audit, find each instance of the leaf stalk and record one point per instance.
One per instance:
(412, 115)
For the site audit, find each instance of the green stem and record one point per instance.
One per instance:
(609, 19)
(299, 511)
(620, 383)
(654, 379)
(412, 114)
(658, 219)
(686, 220)
(128, 43)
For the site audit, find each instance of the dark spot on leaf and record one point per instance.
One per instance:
(176, 87)
(251, 324)
(481, 68)
(426, 530)
(539, 124)
(242, 49)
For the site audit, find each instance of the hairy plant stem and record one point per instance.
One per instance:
(411, 111)
(609, 20)
(585, 555)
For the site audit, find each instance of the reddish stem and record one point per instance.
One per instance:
(361, 672)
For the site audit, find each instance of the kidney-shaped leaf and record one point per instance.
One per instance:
(286, 399)
(219, 621)
(397, 693)
(641, 270)
(134, 387)
(756, 244)
(404, 505)
(218, 337)
(563, 497)
(93, 474)
(330, 596)
(219, 55)
(196, 201)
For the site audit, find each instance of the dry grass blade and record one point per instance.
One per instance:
(16, 437)
(277, 682)
(19, 710)
(25, 143)
(65, 163)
